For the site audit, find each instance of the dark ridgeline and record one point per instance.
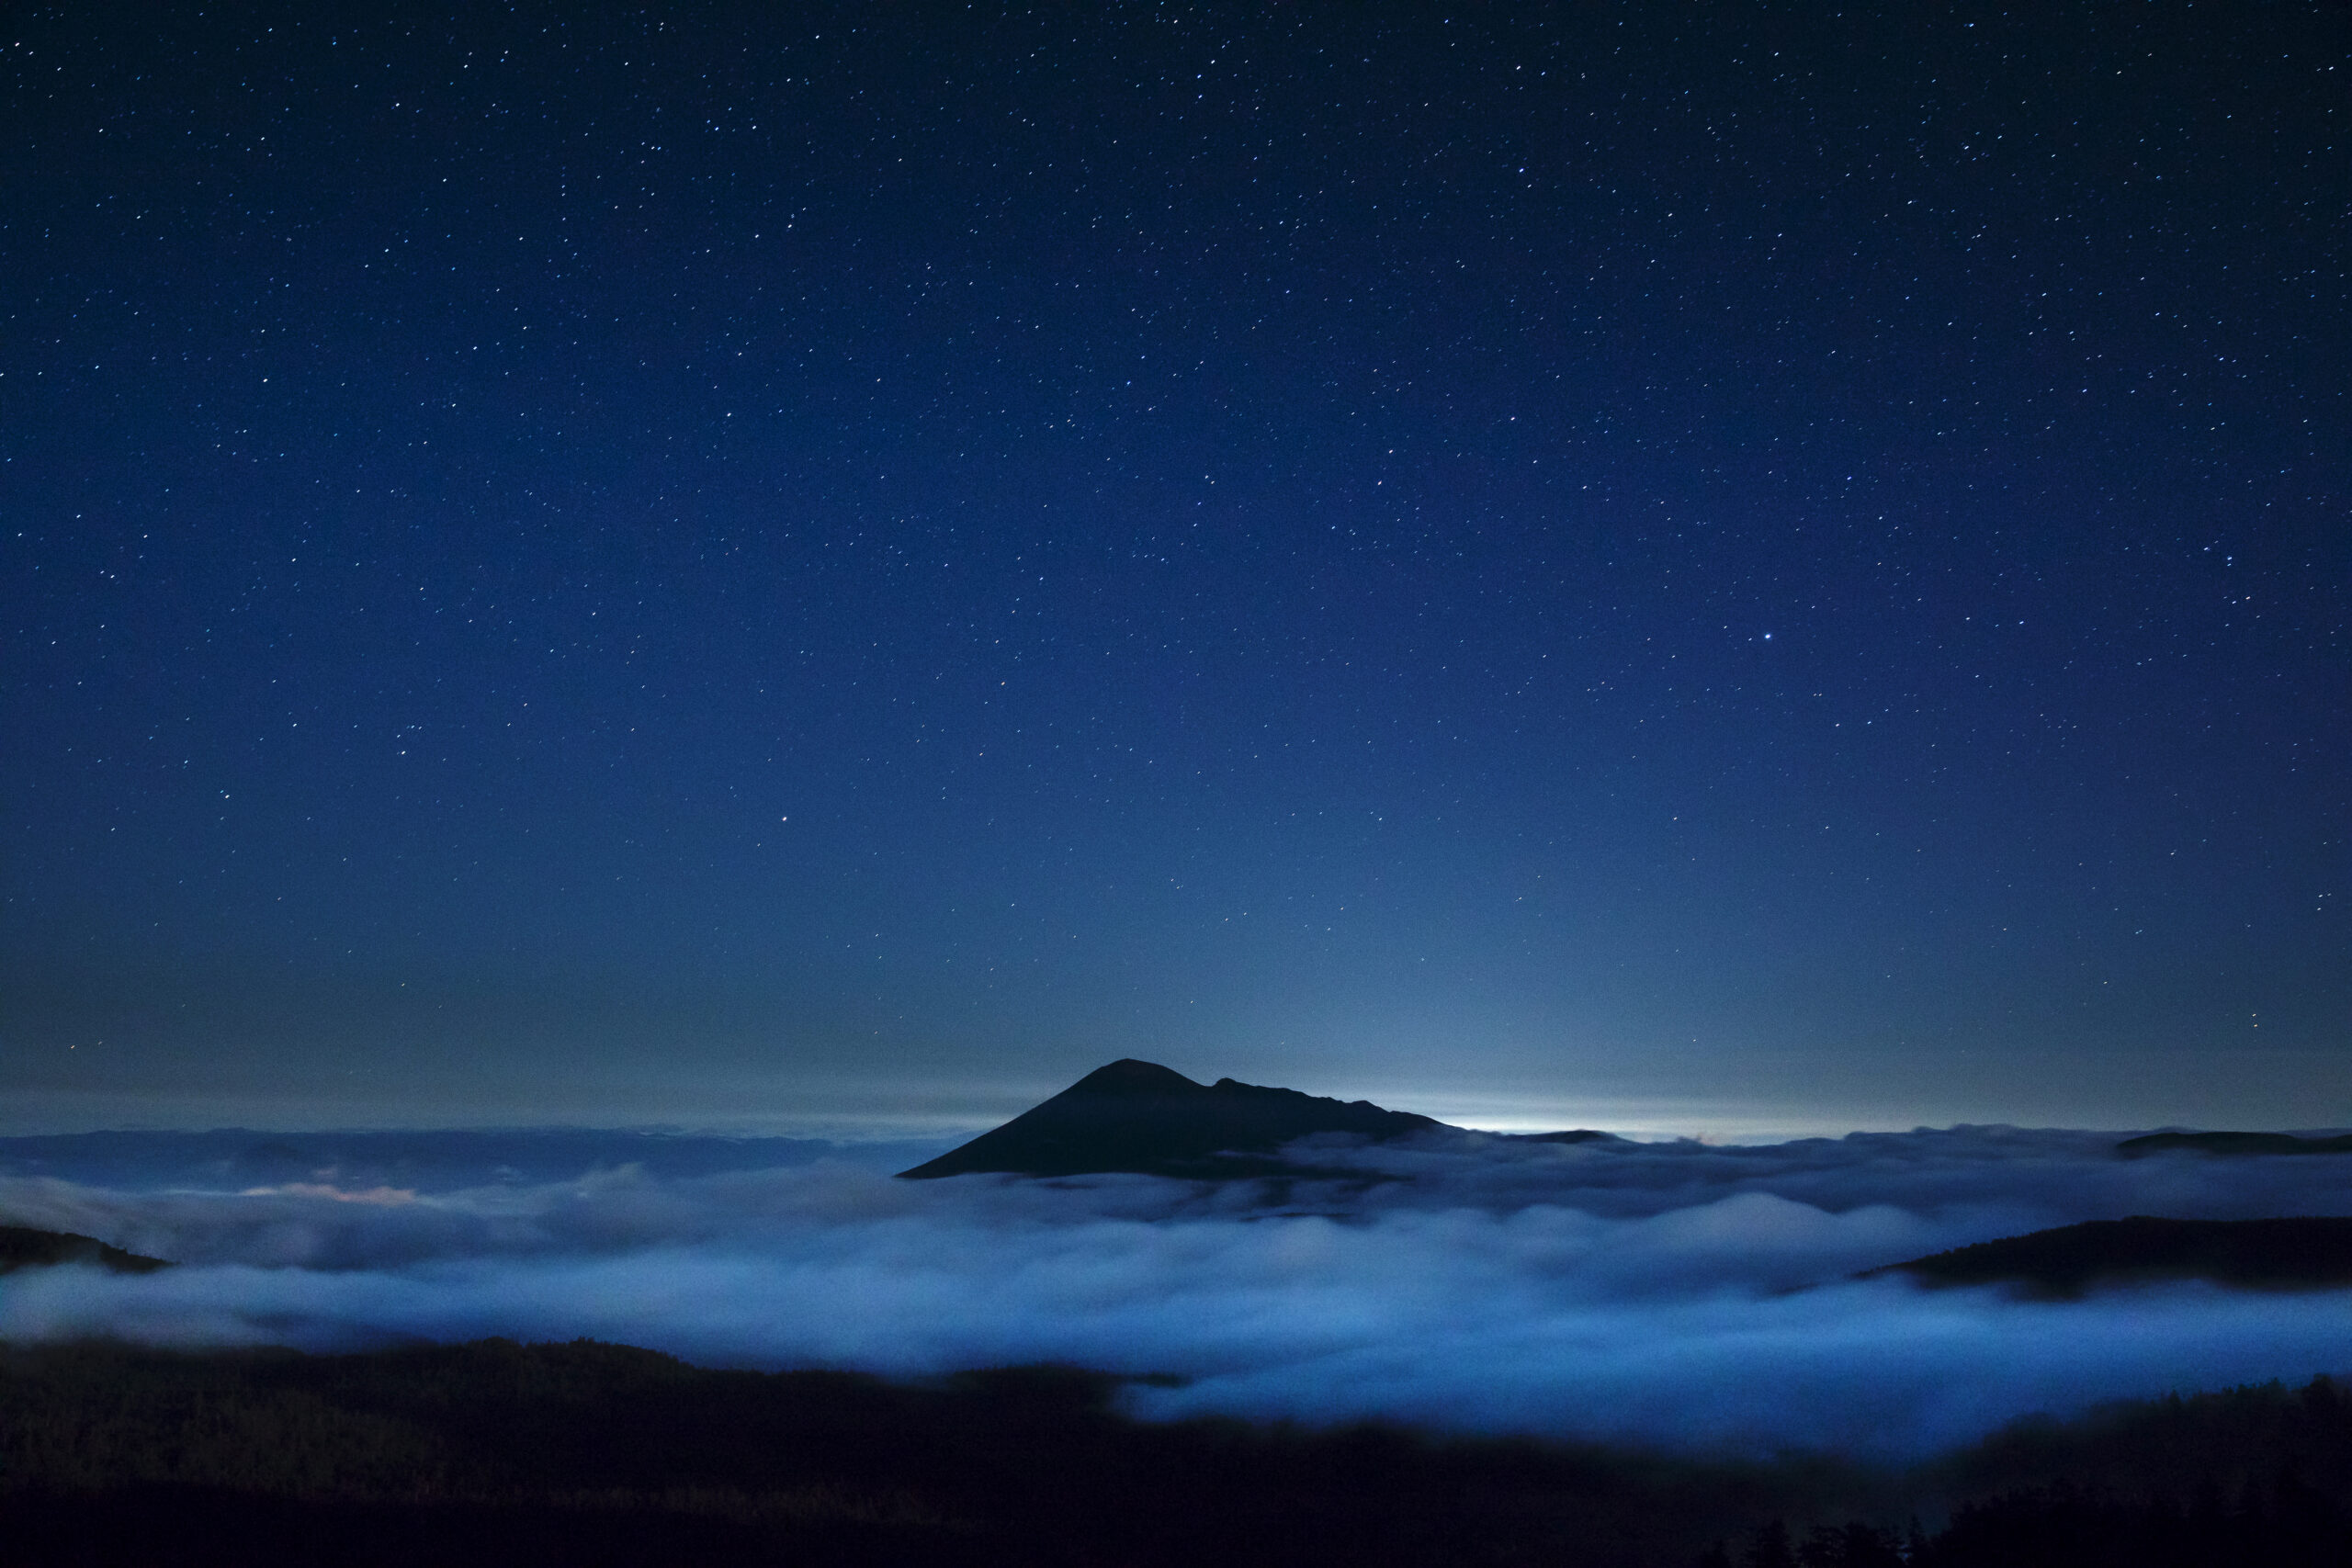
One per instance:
(2231, 1143)
(2280, 1254)
(423, 1159)
(24, 1247)
(1142, 1118)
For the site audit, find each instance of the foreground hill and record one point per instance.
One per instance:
(507, 1454)
(587, 1454)
(2281, 1254)
(1143, 1117)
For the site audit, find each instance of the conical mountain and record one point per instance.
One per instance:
(1142, 1117)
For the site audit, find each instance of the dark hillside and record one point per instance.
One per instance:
(23, 1247)
(2280, 1254)
(514, 1455)
(502, 1453)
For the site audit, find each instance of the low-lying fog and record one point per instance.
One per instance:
(1672, 1294)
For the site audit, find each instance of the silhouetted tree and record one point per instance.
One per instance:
(1770, 1548)
(1858, 1545)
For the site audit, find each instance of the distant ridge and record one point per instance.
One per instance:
(2234, 1143)
(24, 1247)
(2280, 1254)
(1143, 1117)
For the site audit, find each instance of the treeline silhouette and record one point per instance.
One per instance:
(2288, 1525)
(2252, 1477)
(589, 1454)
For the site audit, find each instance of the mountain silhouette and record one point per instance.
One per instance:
(2277, 1254)
(2232, 1143)
(1143, 1117)
(24, 1247)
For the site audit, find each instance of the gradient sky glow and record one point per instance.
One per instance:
(1690, 569)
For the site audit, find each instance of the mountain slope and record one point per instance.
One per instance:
(2280, 1254)
(24, 1247)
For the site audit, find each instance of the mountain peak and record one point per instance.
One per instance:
(1128, 1076)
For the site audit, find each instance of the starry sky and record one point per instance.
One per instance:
(1717, 567)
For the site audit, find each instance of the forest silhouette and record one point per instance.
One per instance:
(590, 1454)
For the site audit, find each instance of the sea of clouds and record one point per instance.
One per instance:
(1676, 1295)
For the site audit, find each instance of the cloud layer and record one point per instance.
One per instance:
(1672, 1294)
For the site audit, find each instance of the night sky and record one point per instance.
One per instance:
(1685, 567)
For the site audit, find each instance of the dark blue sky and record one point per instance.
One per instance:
(574, 562)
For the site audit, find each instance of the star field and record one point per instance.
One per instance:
(616, 565)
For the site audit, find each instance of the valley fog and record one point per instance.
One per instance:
(1674, 1295)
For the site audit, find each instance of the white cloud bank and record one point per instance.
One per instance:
(1671, 1294)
